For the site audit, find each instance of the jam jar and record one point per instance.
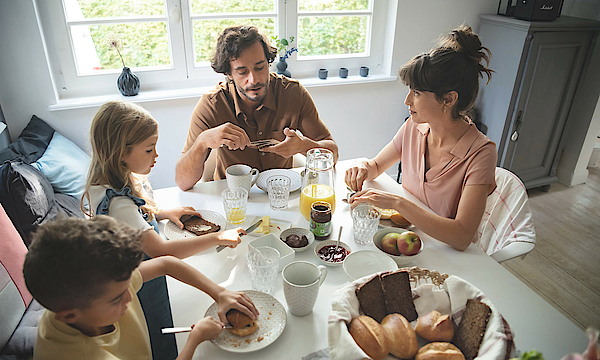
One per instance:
(320, 219)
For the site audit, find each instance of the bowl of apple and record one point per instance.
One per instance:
(402, 245)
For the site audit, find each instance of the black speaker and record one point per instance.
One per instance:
(538, 10)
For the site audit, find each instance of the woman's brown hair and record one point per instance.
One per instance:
(233, 41)
(453, 65)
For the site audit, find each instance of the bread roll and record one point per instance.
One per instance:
(403, 340)
(370, 336)
(242, 324)
(439, 351)
(435, 327)
(399, 220)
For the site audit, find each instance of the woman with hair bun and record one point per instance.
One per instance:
(447, 163)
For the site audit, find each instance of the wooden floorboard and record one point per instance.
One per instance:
(564, 266)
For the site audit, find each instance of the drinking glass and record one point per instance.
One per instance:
(278, 187)
(235, 201)
(263, 263)
(365, 220)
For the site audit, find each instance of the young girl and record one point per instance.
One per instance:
(123, 138)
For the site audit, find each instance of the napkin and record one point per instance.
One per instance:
(450, 298)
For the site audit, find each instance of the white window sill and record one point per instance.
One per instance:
(162, 95)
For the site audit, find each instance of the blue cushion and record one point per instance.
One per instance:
(65, 165)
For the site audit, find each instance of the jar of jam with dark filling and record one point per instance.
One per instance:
(320, 219)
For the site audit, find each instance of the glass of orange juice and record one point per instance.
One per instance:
(235, 201)
(318, 180)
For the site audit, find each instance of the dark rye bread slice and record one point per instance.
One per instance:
(199, 226)
(398, 295)
(370, 297)
(469, 335)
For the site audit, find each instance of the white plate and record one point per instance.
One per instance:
(365, 262)
(173, 231)
(271, 322)
(295, 178)
(276, 226)
(300, 232)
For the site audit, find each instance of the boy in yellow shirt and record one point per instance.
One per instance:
(87, 273)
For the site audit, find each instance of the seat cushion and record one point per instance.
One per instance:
(31, 144)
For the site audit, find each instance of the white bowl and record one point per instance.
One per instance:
(322, 244)
(286, 254)
(300, 232)
(401, 260)
(366, 262)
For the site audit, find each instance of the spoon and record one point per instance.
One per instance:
(338, 240)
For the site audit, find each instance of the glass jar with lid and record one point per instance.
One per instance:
(318, 180)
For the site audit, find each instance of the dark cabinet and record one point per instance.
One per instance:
(527, 106)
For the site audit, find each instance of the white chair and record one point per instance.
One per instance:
(506, 230)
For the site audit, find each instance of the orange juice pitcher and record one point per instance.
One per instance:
(318, 180)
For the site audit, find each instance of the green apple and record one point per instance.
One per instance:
(389, 243)
(409, 243)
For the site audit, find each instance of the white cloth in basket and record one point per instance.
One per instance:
(497, 343)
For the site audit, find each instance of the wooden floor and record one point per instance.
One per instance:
(564, 267)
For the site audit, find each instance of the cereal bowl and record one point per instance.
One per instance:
(401, 260)
(323, 244)
(300, 232)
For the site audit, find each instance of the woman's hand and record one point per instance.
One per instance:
(381, 199)
(175, 214)
(230, 238)
(356, 175)
(228, 300)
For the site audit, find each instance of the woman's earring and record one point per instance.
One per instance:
(445, 109)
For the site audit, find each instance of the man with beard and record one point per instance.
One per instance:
(251, 105)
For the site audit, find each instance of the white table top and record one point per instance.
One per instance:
(535, 323)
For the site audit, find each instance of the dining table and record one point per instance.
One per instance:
(536, 325)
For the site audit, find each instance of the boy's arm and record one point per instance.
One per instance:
(174, 267)
(205, 329)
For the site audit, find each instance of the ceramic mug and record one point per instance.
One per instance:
(241, 176)
(301, 283)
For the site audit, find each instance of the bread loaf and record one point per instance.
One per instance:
(399, 220)
(242, 324)
(403, 340)
(370, 336)
(435, 327)
(439, 351)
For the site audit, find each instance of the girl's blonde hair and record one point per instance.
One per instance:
(117, 127)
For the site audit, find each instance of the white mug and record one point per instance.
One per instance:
(241, 176)
(301, 283)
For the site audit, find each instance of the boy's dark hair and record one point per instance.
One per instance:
(233, 41)
(71, 260)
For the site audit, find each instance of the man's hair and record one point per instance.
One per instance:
(233, 41)
(71, 260)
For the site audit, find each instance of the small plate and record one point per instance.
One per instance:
(365, 262)
(276, 226)
(295, 178)
(300, 232)
(322, 244)
(173, 231)
(271, 322)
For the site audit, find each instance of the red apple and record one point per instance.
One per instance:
(409, 243)
(389, 243)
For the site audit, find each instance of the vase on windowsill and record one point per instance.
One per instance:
(128, 83)
(282, 68)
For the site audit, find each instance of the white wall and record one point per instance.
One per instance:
(361, 117)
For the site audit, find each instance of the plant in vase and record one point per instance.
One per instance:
(128, 83)
(283, 52)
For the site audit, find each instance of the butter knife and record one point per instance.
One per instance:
(248, 231)
(176, 330)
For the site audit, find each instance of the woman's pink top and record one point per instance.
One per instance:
(472, 161)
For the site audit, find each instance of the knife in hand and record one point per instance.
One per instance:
(248, 231)
(176, 330)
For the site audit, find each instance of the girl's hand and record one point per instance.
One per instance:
(379, 198)
(228, 300)
(206, 329)
(230, 237)
(175, 214)
(356, 176)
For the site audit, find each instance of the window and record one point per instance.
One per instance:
(169, 43)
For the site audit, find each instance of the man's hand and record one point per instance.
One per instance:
(235, 300)
(294, 143)
(228, 134)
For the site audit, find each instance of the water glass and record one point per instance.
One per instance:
(278, 187)
(365, 220)
(235, 201)
(263, 263)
